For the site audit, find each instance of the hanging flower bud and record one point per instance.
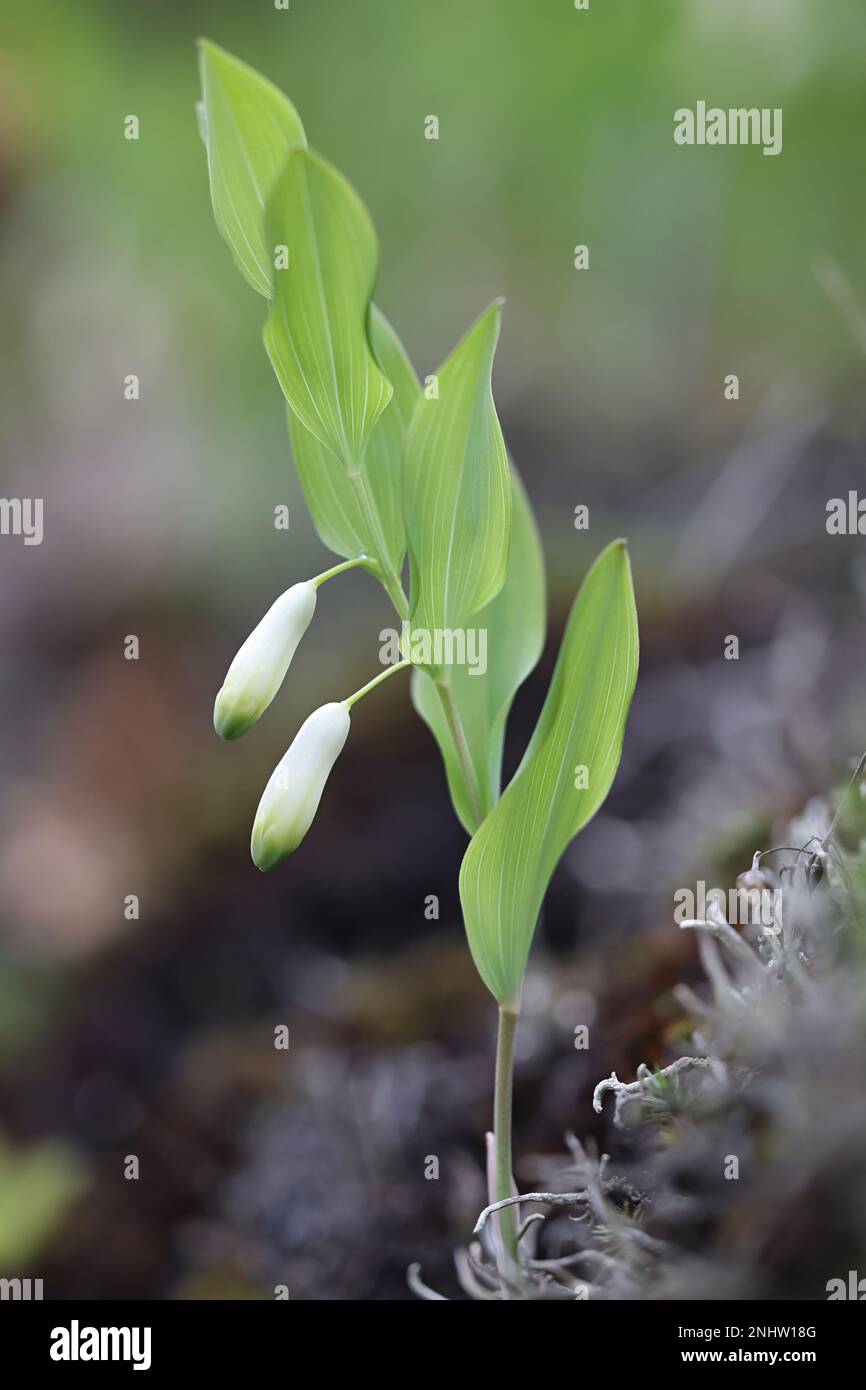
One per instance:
(291, 798)
(257, 671)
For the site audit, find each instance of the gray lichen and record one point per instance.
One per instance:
(739, 1167)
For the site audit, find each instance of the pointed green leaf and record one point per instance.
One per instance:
(248, 128)
(509, 862)
(514, 625)
(456, 487)
(335, 500)
(316, 332)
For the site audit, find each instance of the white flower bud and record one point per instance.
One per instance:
(257, 671)
(291, 798)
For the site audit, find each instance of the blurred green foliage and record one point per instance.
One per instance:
(37, 1187)
(556, 128)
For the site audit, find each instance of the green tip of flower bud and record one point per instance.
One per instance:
(267, 851)
(229, 720)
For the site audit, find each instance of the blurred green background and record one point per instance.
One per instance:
(153, 1037)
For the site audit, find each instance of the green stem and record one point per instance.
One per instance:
(503, 1177)
(455, 725)
(377, 680)
(339, 569)
(396, 592)
(390, 578)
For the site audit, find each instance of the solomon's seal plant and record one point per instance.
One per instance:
(389, 470)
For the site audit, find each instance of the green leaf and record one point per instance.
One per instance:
(457, 489)
(514, 623)
(316, 332)
(335, 500)
(509, 862)
(248, 128)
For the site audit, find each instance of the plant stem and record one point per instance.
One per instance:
(453, 720)
(339, 569)
(504, 1180)
(377, 680)
(390, 578)
(396, 593)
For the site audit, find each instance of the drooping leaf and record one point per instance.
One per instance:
(456, 487)
(335, 499)
(509, 862)
(248, 128)
(316, 331)
(514, 624)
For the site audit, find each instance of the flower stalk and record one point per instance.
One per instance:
(339, 569)
(377, 680)
(503, 1175)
